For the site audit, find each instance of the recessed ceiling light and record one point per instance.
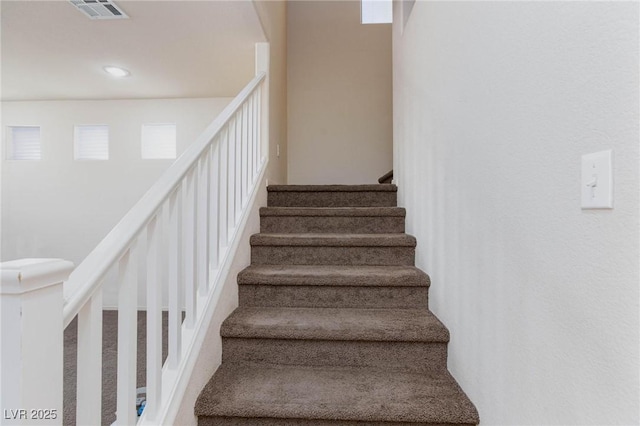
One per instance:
(116, 71)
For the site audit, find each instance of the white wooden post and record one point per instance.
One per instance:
(31, 333)
(262, 65)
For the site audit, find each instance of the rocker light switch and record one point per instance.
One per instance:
(597, 181)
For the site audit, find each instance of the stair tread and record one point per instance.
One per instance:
(334, 240)
(333, 188)
(335, 393)
(337, 275)
(333, 211)
(371, 324)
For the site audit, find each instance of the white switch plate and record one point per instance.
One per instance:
(597, 181)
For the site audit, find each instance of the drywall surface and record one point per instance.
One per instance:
(210, 355)
(494, 104)
(339, 94)
(273, 16)
(59, 207)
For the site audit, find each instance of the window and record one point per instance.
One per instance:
(158, 141)
(23, 143)
(376, 11)
(91, 142)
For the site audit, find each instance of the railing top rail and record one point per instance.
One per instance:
(86, 278)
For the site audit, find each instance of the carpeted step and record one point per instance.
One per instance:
(332, 195)
(412, 339)
(349, 220)
(332, 249)
(259, 395)
(333, 286)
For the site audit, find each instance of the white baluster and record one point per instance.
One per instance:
(254, 140)
(214, 232)
(231, 175)
(89, 370)
(223, 193)
(179, 265)
(245, 154)
(202, 233)
(154, 318)
(192, 184)
(250, 140)
(259, 125)
(231, 212)
(127, 338)
(238, 165)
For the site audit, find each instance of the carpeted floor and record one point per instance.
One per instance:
(109, 363)
(333, 326)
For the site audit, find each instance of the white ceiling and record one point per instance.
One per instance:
(173, 49)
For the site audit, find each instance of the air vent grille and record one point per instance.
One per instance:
(99, 9)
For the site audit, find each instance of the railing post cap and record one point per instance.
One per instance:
(25, 275)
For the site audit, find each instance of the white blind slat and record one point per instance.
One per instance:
(377, 11)
(158, 141)
(91, 142)
(24, 143)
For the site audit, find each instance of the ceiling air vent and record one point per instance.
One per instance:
(99, 9)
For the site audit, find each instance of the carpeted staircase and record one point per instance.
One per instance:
(333, 326)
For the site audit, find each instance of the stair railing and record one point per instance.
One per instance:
(179, 233)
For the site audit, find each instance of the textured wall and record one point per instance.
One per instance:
(494, 104)
(339, 94)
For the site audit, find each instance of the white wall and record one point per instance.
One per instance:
(494, 104)
(59, 207)
(339, 94)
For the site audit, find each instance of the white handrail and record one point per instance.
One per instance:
(88, 276)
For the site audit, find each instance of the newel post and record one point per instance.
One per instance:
(31, 340)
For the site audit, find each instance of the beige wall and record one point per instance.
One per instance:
(339, 94)
(494, 104)
(273, 16)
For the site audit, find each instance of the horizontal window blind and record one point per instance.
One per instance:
(158, 141)
(91, 142)
(377, 11)
(24, 143)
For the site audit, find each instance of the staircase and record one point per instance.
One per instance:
(333, 326)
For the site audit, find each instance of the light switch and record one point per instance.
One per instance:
(597, 181)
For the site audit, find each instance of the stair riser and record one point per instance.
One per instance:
(414, 356)
(255, 421)
(323, 255)
(332, 199)
(333, 296)
(332, 225)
